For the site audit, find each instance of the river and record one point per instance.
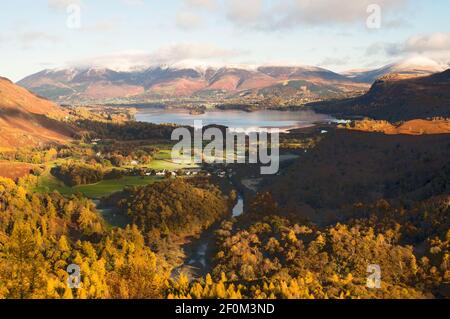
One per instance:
(200, 251)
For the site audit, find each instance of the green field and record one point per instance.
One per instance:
(49, 183)
(162, 161)
(169, 165)
(164, 155)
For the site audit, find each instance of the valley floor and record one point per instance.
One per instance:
(344, 198)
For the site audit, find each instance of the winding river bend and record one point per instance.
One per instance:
(199, 252)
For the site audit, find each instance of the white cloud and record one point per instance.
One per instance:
(331, 11)
(133, 2)
(120, 61)
(282, 14)
(335, 61)
(245, 12)
(201, 4)
(109, 25)
(190, 16)
(435, 46)
(62, 4)
(176, 54)
(190, 51)
(376, 48)
(435, 42)
(188, 21)
(285, 14)
(29, 38)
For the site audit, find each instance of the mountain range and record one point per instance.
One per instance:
(307, 83)
(27, 119)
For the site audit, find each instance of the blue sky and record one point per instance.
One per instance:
(134, 33)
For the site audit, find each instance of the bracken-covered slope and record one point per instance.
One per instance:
(27, 120)
(394, 98)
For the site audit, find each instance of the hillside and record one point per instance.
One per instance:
(350, 167)
(13, 97)
(171, 212)
(394, 98)
(28, 120)
(180, 206)
(413, 127)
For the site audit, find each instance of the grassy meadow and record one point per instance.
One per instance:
(48, 183)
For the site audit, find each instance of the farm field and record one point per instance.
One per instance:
(163, 161)
(49, 183)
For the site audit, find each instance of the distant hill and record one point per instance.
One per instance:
(28, 120)
(100, 85)
(395, 98)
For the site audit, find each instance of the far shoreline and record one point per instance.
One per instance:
(261, 119)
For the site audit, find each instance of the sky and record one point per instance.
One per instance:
(125, 34)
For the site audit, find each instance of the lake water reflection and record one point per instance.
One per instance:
(235, 119)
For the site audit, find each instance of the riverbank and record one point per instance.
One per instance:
(200, 251)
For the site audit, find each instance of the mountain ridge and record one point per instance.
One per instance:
(301, 84)
(395, 98)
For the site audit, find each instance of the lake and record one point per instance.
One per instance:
(236, 119)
